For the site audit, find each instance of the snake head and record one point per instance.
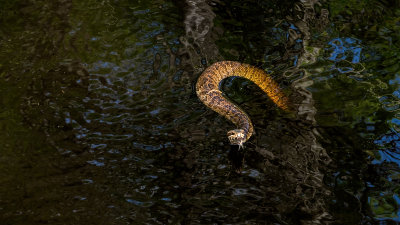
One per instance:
(237, 137)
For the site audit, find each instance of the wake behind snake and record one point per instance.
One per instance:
(207, 89)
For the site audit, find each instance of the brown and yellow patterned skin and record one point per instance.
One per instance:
(207, 89)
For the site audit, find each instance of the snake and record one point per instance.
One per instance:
(209, 92)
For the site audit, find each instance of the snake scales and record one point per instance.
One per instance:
(207, 89)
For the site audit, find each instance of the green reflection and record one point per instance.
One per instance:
(359, 95)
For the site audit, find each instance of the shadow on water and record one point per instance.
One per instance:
(101, 124)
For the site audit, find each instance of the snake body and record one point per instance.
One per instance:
(208, 91)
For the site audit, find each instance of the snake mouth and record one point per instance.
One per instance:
(237, 137)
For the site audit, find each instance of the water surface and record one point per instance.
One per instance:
(100, 123)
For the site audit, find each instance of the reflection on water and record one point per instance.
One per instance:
(100, 123)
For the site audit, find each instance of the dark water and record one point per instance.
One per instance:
(100, 123)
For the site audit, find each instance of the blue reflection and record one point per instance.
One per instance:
(396, 93)
(342, 47)
(387, 156)
(397, 198)
(385, 139)
(296, 59)
(391, 147)
(344, 69)
(396, 80)
(338, 50)
(348, 49)
(356, 55)
(292, 26)
(395, 121)
(139, 203)
(96, 163)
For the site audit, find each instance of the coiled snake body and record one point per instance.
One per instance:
(207, 89)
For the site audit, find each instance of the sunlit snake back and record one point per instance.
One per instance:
(207, 89)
